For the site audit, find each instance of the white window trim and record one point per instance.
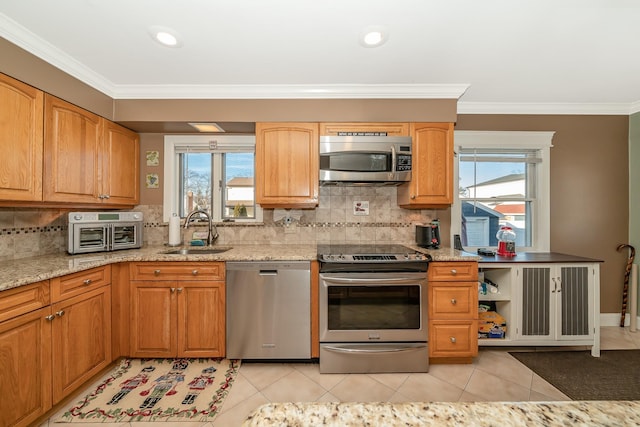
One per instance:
(522, 140)
(171, 168)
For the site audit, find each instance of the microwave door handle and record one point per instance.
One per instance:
(393, 159)
(110, 230)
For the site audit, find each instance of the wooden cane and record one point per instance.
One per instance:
(625, 288)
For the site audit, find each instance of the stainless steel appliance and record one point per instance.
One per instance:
(373, 309)
(268, 310)
(382, 160)
(104, 231)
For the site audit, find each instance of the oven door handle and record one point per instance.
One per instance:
(377, 349)
(372, 281)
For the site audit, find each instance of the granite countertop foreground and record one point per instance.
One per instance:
(525, 414)
(19, 272)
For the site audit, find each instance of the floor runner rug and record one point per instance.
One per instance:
(615, 375)
(157, 390)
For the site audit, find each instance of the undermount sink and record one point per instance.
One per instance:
(193, 251)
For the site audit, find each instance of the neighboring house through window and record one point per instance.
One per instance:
(503, 180)
(215, 173)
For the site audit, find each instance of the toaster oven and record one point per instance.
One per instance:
(104, 231)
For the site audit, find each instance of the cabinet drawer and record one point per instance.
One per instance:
(453, 338)
(78, 283)
(177, 271)
(453, 271)
(453, 302)
(18, 301)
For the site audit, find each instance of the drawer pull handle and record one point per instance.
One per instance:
(87, 282)
(453, 301)
(50, 317)
(452, 339)
(194, 272)
(60, 313)
(156, 272)
(454, 271)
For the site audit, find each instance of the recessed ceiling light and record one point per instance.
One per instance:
(207, 127)
(165, 36)
(373, 37)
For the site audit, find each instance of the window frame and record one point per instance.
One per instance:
(519, 140)
(171, 186)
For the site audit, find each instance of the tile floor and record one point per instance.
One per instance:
(493, 376)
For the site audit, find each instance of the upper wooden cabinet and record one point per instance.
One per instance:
(391, 129)
(287, 160)
(88, 160)
(431, 183)
(21, 135)
(120, 163)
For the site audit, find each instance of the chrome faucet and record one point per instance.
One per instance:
(213, 231)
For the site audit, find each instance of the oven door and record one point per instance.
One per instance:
(373, 307)
(89, 237)
(126, 235)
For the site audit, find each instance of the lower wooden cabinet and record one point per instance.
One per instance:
(25, 364)
(453, 310)
(54, 337)
(81, 345)
(177, 318)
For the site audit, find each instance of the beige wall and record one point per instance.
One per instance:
(589, 187)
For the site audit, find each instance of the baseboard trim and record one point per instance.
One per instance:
(613, 319)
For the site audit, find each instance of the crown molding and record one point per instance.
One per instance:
(321, 91)
(25, 39)
(614, 109)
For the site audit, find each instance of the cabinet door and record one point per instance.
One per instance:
(201, 319)
(25, 363)
(287, 162)
(153, 322)
(557, 302)
(120, 158)
(432, 172)
(81, 340)
(575, 311)
(71, 145)
(21, 133)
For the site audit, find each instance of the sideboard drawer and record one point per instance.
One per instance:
(18, 301)
(78, 283)
(453, 271)
(452, 301)
(453, 338)
(177, 271)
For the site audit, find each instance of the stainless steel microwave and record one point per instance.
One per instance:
(104, 231)
(365, 159)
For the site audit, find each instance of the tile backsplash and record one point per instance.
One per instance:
(32, 232)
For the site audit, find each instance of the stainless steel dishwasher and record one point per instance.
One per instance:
(268, 310)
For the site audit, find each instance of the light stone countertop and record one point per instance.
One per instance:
(14, 273)
(525, 414)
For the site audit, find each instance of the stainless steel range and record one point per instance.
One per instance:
(373, 309)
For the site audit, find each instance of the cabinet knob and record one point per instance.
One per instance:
(453, 301)
(179, 290)
(452, 339)
(50, 317)
(194, 272)
(60, 313)
(106, 196)
(454, 271)
(413, 197)
(172, 290)
(156, 272)
(87, 282)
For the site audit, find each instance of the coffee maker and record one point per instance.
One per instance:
(428, 236)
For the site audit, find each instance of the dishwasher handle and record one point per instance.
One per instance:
(268, 272)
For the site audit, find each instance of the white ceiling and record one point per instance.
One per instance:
(498, 56)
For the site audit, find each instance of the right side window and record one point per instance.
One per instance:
(503, 179)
